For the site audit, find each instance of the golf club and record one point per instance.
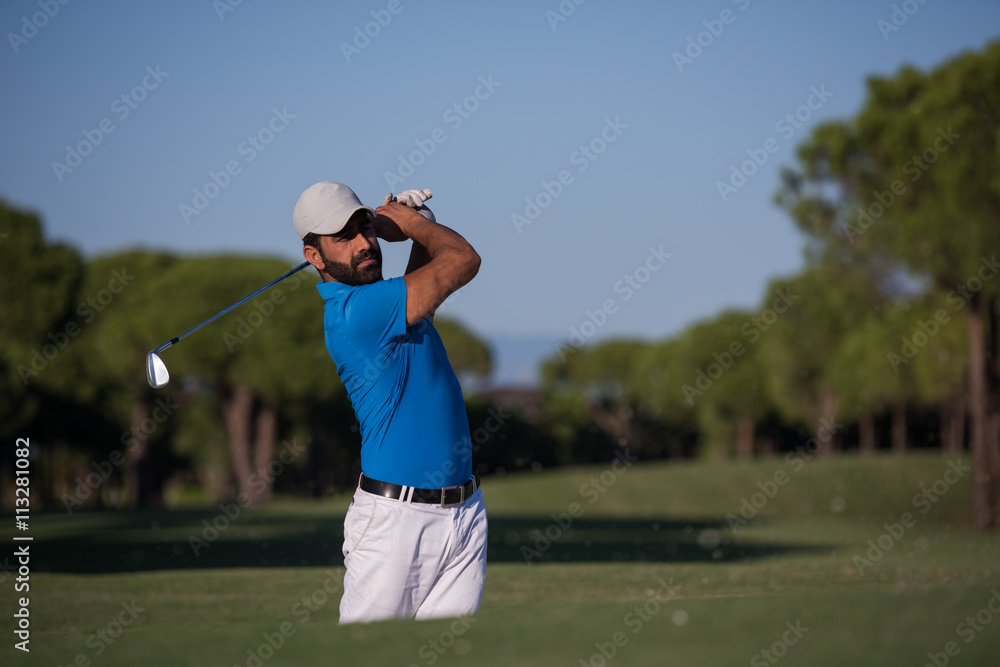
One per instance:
(156, 371)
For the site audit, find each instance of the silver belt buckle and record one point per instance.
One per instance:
(461, 495)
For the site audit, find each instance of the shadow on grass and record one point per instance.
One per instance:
(662, 540)
(114, 542)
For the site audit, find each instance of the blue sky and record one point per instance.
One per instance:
(597, 98)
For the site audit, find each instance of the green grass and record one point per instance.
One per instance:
(732, 595)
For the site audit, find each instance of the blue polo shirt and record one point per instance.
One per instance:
(414, 429)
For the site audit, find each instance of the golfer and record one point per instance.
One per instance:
(415, 533)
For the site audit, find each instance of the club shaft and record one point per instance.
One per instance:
(174, 341)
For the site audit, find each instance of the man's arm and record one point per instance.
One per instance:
(388, 230)
(418, 257)
(449, 264)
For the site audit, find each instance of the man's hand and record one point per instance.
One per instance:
(414, 199)
(386, 228)
(385, 224)
(393, 218)
(441, 261)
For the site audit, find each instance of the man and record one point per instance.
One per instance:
(415, 534)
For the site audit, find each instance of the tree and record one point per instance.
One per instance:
(279, 359)
(661, 372)
(939, 132)
(832, 299)
(600, 377)
(39, 282)
(469, 355)
(726, 384)
(40, 285)
(268, 352)
(119, 309)
(941, 364)
(869, 376)
(910, 187)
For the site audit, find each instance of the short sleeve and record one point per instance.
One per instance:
(377, 312)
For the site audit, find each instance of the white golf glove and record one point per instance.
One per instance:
(414, 199)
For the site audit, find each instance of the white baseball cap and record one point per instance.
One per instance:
(325, 208)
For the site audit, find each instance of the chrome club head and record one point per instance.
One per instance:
(156, 371)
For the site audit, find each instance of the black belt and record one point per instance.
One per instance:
(449, 495)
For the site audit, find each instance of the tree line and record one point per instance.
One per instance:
(893, 324)
(254, 398)
(887, 339)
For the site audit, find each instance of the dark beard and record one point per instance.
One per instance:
(350, 274)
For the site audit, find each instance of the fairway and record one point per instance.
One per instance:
(649, 333)
(638, 563)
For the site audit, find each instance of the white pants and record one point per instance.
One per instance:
(412, 560)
